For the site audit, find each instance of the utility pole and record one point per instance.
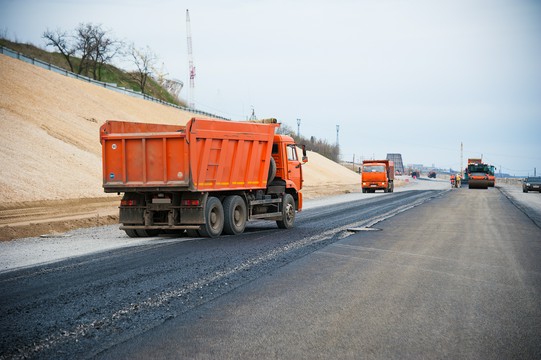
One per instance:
(337, 142)
(461, 160)
(298, 128)
(190, 61)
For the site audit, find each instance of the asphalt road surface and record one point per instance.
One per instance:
(450, 274)
(459, 277)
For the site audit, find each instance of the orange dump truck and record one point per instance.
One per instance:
(206, 177)
(377, 175)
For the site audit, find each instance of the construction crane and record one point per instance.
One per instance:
(190, 62)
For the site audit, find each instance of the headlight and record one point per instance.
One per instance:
(527, 184)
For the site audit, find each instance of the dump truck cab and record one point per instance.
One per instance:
(377, 175)
(288, 164)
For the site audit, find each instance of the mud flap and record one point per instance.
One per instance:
(131, 216)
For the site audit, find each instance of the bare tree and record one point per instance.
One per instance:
(85, 44)
(144, 60)
(4, 33)
(105, 49)
(61, 41)
(95, 47)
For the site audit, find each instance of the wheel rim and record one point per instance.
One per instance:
(237, 216)
(214, 219)
(290, 212)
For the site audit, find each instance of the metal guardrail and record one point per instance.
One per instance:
(42, 64)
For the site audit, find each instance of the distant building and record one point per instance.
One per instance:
(398, 164)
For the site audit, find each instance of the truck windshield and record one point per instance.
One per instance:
(373, 168)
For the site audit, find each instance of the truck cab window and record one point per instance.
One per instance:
(291, 153)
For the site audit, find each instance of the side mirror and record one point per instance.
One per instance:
(304, 157)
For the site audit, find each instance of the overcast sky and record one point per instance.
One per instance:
(412, 77)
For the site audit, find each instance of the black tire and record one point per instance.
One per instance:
(131, 233)
(272, 170)
(148, 232)
(214, 218)
(234, 215)
(288, 213)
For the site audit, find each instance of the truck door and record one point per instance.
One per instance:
(294, 169)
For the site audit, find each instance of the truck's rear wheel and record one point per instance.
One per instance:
(235, 215)
(288, 212)
(131, 233)
(214, 218)
(147, 232)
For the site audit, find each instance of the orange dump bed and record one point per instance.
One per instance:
(204, 155)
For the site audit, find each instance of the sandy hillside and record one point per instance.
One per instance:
(325, 177)
(49, 128)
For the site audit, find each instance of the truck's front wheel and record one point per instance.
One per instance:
(235, 215)
(288, 212)
(214, 218)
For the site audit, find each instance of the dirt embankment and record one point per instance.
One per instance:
(50, 155)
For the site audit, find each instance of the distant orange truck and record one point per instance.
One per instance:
(208, 177)
(377, 175)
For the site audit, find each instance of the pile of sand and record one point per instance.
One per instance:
(49, 136)
(325, 177)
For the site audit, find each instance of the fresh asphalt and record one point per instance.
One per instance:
(82, 304)
(458, 277)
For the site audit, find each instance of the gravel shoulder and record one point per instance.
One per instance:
(49, 241)
(86, 226)
(529, 203)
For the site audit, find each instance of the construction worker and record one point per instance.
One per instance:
(457, 181)
(453, 181)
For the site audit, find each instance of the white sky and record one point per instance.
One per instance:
(413, 77)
